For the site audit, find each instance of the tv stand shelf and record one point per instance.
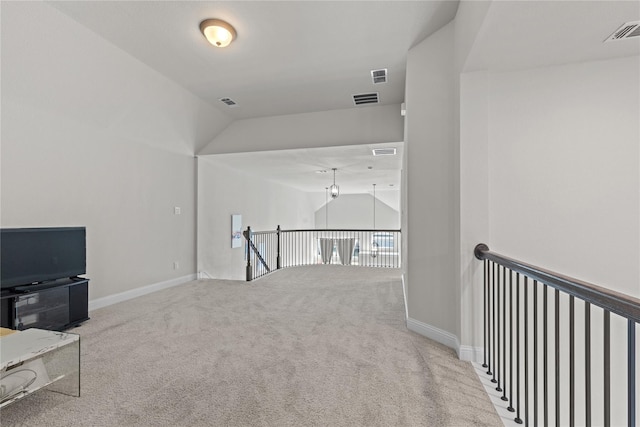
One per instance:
(54, 306)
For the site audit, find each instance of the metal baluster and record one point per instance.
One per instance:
(504, 334)
(489, 336)
(518, 419)
(535, 352)
(587, 363)
(545, 355)
(510, 407)
(485, 264)
(631, 373)
(557, 355)
(493, 310)
(526, 351)
(492, 317)
(607, 366)
(572, 365)
(498, 334)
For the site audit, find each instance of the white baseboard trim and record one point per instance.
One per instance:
(431, 332)
(464, 352)
(471, 354)
(133, 293)
(204, 275)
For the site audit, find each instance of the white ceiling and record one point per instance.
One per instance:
(289, 56)
(357, 168)
(528, 34)
(305, 56)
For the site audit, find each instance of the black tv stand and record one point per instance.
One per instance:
(56, 305)
(46, 285)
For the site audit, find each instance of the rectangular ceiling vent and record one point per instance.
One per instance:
(626, 31)
(384, 151)
(366, 98)
(228, 101)
(379, 76)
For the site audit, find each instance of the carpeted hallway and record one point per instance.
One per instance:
(306, 346)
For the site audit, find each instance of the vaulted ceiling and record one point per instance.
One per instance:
(289, 56)
(307, 56)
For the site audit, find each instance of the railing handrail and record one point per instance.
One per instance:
(615, 302)
(258, 233)
(384, 230)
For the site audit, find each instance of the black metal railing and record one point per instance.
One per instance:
(267, 251)
(531, 329)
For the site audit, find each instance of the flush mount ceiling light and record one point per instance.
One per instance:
(334, 190)
(218, 32)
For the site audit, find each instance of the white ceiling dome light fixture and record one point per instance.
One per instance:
(334, 189)
(218, 32)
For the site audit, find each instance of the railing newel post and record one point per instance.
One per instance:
(278, 258)
(249, 272)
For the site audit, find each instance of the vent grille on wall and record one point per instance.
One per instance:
(384, 151)
(366, 98)
(626, 31)
(379, 76)
(228, 101)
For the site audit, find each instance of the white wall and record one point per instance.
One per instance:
(555, 153)
(362, 125)
(564, 169)
(93, 137)
(355, 211)
(430, 225)
(263, 204)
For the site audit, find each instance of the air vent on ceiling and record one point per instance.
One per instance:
(379, 76)
(384, 151)
(626, 31)
(366, 98)
(230, 102)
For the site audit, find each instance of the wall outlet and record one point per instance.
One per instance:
(176, 265)
(176, 210)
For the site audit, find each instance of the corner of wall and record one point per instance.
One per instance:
(464, 352)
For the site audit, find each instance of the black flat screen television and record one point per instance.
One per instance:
(36, 255)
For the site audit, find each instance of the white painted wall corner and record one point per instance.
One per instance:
(464, 352)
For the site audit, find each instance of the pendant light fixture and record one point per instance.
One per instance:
(334, 189)
(326, 207)
(374, 206)
(374, 243)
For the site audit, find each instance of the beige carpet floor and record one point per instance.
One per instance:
(306, 346)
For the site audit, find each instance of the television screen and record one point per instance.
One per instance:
(34, 255)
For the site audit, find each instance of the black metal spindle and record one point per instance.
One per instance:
(485, 264)
(518, 419)
(607, 368)
(587, 363)
(572, 365)
(504, 334)
(489, 319)
(545, 351)
(510, 407)
(631, 373)
(498, 337)
(493, 309)
(526, 351)
(535, 352)
(557, 354)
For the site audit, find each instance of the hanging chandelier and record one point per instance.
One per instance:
(334, 189)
